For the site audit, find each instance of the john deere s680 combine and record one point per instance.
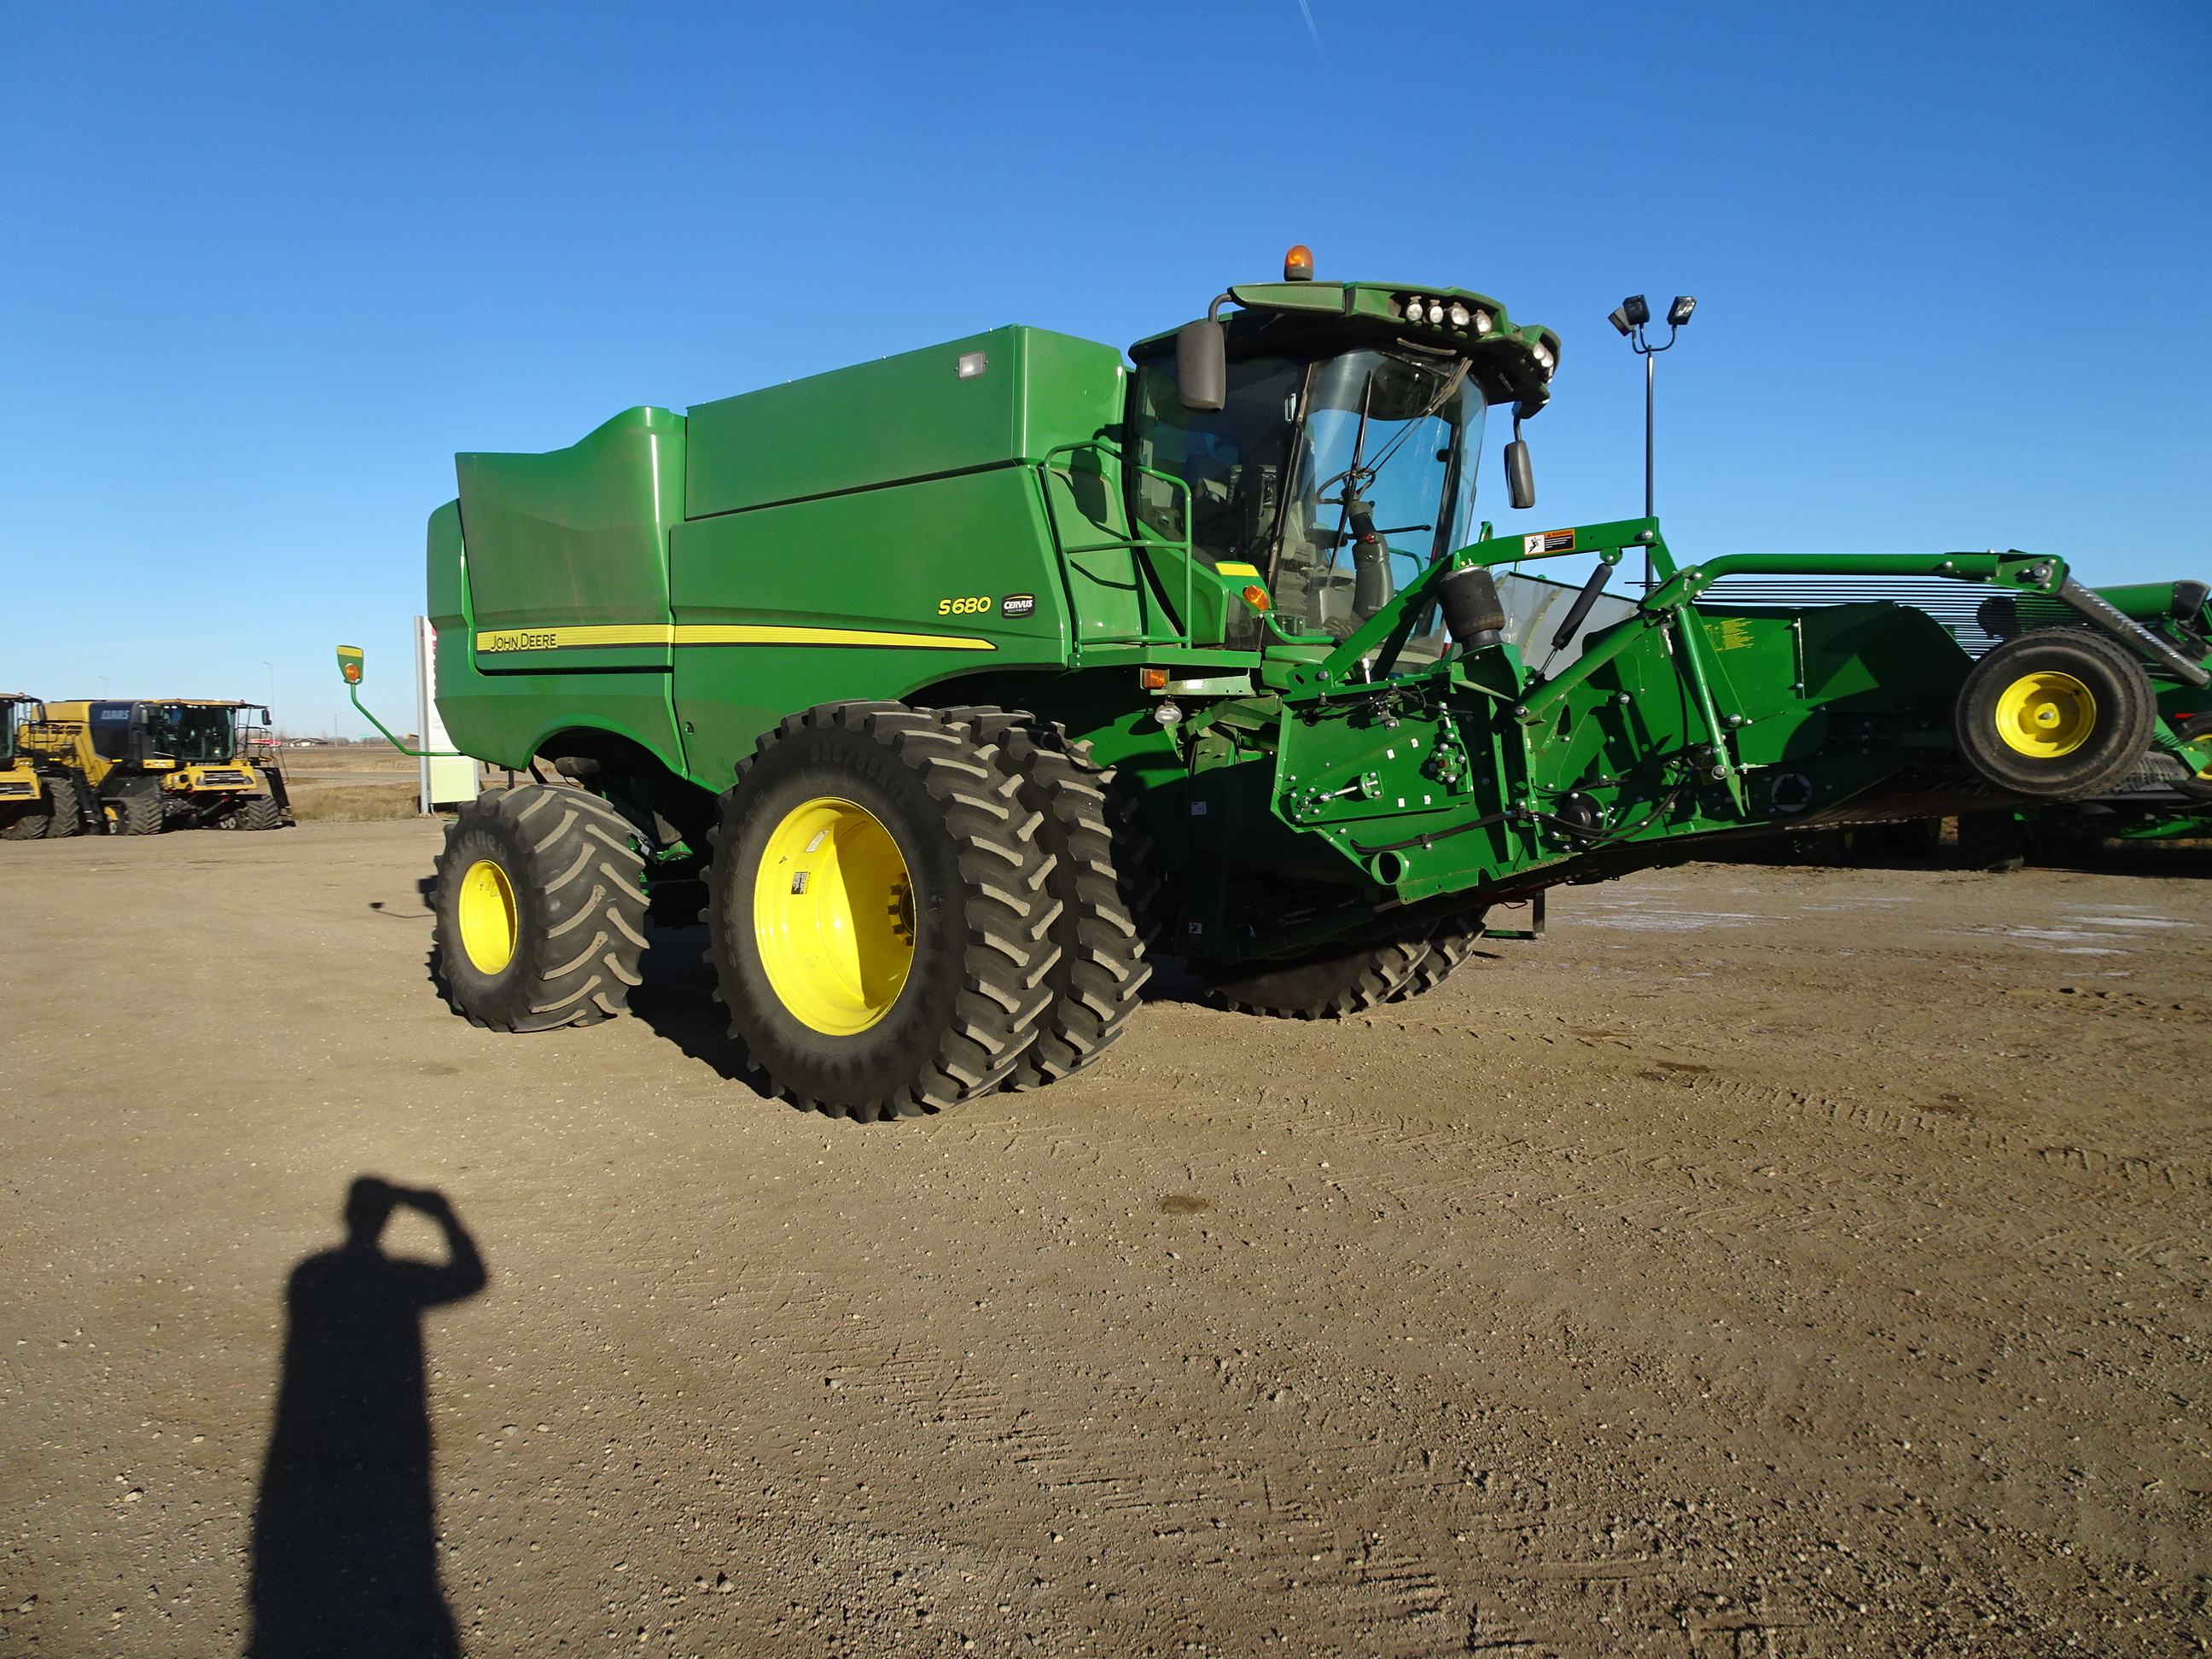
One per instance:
(940, 684)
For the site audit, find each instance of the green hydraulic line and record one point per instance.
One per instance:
(354, 692)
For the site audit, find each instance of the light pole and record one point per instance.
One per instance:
(1630, 319)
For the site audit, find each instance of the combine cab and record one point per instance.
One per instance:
(145, 767)
(942, 686)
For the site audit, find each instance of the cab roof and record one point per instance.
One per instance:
(1502, 358)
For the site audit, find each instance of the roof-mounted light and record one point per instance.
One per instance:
(1297, 264)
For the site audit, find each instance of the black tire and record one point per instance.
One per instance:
(2104, 735)
(141, 812)
(978, 912)
(2196, 786)
(28, 820)
(254, 812)
(1991, 840)
(574, 880)
(1324, 984)
(1451, 944)
(1101, 878)
(68, 799)
(1911, 838)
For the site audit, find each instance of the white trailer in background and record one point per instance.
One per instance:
(447, 779)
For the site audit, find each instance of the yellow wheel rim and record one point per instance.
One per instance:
(833, 913)
(487, 916)
(2046, 715)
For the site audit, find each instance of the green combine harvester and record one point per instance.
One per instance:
(945, 686)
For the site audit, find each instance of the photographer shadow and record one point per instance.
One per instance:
(345, 1535)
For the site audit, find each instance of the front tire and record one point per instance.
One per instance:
(1450, 945)
(1101, 877)
(32, 821)
(2058, 715)
(880, 913)
(141, 812)
(1324, 984)
(540, 909)
(68, 817)
(254, 812)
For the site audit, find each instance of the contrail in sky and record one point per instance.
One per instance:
(1310, 29)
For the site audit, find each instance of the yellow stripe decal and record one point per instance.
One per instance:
(583, 638)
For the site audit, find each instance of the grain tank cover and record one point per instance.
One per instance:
(579, 536)
(987, 401)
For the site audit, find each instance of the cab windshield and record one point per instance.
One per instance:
(1308, 455)
(180, 731)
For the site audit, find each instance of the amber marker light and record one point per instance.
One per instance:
(1152, 679)
(1256, 597)
(1297, 264)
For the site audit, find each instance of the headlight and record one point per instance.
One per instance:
(1461, 317)
(1415, 310)
(1544, 356)
(1484, 322)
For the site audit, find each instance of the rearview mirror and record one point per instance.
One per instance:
(1201, 365)
(1520, 475)
(350, 664)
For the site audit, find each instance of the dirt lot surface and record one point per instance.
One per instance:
(1774, 1261)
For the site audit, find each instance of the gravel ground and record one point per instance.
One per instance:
(1773, 1262)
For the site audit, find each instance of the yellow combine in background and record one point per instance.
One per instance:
(40, 798)
(144, 767)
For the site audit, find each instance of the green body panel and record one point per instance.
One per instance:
(913, 415)
(933, 559)
(575, 539)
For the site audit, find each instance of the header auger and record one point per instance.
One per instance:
(945, 687)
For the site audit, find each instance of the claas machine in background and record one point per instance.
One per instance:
(147, 766)
(945, 686)
(40, 798)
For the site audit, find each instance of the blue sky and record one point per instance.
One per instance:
(268, 267)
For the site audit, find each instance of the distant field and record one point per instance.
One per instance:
(351, 785)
